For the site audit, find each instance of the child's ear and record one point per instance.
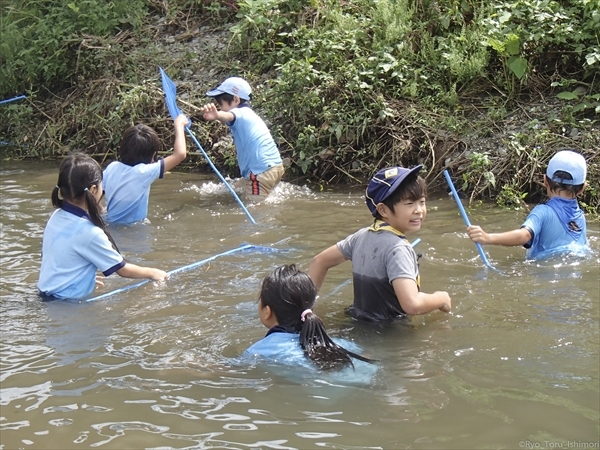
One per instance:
(268, 312)
(582, 189)
(382, 210)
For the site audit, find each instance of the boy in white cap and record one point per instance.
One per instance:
(557, 226)
(385, 272)
(257, 154)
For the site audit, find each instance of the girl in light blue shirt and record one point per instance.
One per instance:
(296, 334)
(76, 241)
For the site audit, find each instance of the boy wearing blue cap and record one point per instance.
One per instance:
(556, 227)
(385, 272)
(257, 154)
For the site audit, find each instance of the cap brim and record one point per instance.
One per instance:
(214, 93)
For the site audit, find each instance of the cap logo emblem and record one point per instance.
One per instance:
(391, 172)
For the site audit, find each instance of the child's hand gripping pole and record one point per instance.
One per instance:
(463, 213)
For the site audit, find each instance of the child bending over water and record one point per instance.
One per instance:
(76, 241)
(284, 307)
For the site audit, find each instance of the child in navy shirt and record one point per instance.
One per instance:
(556, 227)
(127, 181)
(257, 154)
(76, 242)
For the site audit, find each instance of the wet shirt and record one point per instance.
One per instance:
(557, 226)
(378, 258)
(127, 190)
(282, 348)
(255, 147)
(73, 249)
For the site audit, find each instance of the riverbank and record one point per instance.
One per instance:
(496, 147)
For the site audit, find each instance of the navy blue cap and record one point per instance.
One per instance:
(385, 182)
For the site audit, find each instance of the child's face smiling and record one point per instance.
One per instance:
(408, 215)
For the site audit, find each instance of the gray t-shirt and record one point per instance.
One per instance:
(378, 258)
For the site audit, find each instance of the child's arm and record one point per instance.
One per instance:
(133, 271)
(210, 112)
(179, 147)
(414, 302)
(508, 238)
(324, 261)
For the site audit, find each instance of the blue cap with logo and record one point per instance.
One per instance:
(385, 182)
(234, 86)
(570, 162)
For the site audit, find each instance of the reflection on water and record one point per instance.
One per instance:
(157, 366)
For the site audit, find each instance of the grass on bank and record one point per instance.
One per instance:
(346, 86)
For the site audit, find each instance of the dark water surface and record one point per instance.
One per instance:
(515, 365)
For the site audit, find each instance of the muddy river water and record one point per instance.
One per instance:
(514, 365)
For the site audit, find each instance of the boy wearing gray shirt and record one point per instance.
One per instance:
(385, 272)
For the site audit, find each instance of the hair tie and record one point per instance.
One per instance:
(57, 187)
(86, 189)
(304, 313)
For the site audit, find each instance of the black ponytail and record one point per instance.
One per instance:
(77, 173)
(290, 293)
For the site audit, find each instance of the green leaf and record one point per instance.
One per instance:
(513, 46)
(567, 95)
(505, 17)
(518, 66)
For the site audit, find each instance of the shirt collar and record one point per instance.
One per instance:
(278, 329)
(380, 225)
(76, 210)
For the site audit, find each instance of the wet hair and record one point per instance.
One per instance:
(140, 144)
(77, 173)
(412, 188)
(556, 186)
(227, 98)
(289, 292)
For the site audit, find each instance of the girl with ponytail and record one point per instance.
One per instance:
(76, 240)
(285, 307)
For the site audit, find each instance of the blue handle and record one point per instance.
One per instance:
(210, 163)
(8, 100)
(183, 269)
(463, 213)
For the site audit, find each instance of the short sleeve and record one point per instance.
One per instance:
(151, 172)
(401, 262)
(346, 246)
(101, 253)
(534, 223)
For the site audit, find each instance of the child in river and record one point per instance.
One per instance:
(257, 154)
(76, 241)
(557, 226)
(385, 271)
(127, 181)
(295, 331)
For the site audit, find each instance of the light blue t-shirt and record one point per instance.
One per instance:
(127, 190)
(284, 349)
(255, 147)
(73, 249)
(557, 227)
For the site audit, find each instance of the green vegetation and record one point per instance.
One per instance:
(347, 86)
